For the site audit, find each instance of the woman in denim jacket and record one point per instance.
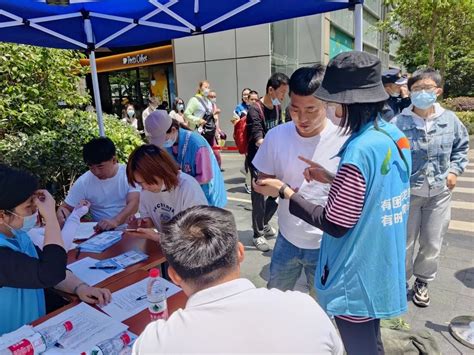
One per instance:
(439, 144)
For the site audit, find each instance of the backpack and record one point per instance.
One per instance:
(209, 128)
(240, 129)
(240, 135)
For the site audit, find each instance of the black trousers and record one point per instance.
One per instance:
(361, 338)
(263, 208)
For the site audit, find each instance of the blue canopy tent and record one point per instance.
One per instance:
(92, 24)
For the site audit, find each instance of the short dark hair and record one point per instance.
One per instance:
(98, 150)
(245, 89)
(253, 92)
(16, 186)
(355, 116)
(200, 243)
(304, 81)
(426, 73)
(277, 80)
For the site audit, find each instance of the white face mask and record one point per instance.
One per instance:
(28, 222)
(205, 92)
(130, 113)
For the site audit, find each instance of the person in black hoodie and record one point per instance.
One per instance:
(261, 117)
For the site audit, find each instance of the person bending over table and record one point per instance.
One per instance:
(26, 271)
(166, 191)
(105, 186)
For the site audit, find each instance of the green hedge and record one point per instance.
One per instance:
(55, 154)
(467, 118)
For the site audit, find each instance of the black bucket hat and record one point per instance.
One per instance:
(351, 78)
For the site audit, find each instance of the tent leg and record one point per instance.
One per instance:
(358, 17)
(95, 87)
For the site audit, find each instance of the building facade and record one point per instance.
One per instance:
(235, 59)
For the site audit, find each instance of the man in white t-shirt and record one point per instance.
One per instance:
(105, 186)
(311, 135)
(225, 313)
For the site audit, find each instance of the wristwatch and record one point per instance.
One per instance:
(281, 192)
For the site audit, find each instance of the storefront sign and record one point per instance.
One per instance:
(137, 59)
(145, 57)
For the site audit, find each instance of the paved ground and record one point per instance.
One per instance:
(452, 292)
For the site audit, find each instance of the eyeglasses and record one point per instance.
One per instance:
(423, 88)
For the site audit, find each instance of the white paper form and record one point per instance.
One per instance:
(92, 277)
(90, 327)
(124, 302)
(85, 230)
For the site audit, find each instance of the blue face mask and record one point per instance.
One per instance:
(276, 102)
(28, 222)
(423, 99)
(169, 143)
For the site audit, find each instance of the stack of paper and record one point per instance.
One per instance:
(132, 300)
(101, 242)
(90, 327)
(123, 260)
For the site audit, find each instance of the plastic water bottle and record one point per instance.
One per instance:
(111, 346)
(156, 296)
(42, 340)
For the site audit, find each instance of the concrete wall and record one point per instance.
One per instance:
(229, 60)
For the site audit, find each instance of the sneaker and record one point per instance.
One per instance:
(261, 244)
(421, 297)
(269, 231)
(247, 188)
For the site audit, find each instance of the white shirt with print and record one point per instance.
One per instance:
(163, 206)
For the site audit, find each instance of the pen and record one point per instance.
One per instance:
(144, 296)
(78, 252)
(102, 267)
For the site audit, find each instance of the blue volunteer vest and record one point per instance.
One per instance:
(365, 269)
(188, 145)
(19, 306)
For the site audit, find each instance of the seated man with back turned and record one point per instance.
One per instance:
(105, 186)
(226, 313)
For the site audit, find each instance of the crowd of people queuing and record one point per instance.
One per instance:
(360, 170)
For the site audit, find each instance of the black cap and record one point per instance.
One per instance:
(390, 76)
(352, 77)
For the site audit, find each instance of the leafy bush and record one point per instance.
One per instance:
(467, 118)
(36, 132)
(55, 155)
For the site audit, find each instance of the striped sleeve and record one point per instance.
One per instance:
(346, 197)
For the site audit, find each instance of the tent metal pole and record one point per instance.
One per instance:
(358, 21)
(95, 87)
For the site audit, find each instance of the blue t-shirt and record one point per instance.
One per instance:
(188, 145)
(363, 272)
(241, 109)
